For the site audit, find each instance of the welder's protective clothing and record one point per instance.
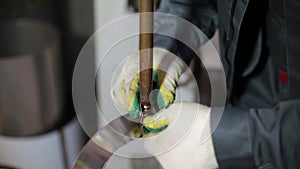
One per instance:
(167, 69)
(259, 49)
(189, 150)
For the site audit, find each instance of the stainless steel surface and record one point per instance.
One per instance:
(109, 139)
(30, 84)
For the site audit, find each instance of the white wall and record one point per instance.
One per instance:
(106, 11)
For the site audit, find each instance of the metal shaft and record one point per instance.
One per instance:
(146, 52)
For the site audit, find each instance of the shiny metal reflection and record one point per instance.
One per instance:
(30, 84)
(108, 140)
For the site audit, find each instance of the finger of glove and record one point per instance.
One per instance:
(121, 90)
(118, 94)
(167, 90)
(169, 68)
(133, 97)
(126, 95)
(152, 126)
(157, 122)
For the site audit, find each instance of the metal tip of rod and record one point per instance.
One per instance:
(145, 107)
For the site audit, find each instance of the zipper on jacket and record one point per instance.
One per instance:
(228, 39)
(232, 9)
(230, 29)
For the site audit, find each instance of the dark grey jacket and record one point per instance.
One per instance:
(260, 52)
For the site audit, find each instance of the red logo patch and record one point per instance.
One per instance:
(283, 76)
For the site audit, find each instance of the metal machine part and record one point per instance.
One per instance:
(146, 52)
(56, 149)
(109, 139)
(133, 5)
(146, 55)
(31, 98)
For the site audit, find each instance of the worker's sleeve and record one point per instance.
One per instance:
(202, 14)
(259, 138)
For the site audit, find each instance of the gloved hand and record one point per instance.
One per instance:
(167, 69)
(179, 146)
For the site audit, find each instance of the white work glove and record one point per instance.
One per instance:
(125, 92)
(179, 145)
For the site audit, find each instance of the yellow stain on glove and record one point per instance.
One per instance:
(136, 131)
(151, 127)
(154, 126)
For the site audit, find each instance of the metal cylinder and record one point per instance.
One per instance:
(31, 99)
(146, 51)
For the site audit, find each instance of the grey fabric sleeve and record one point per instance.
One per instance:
(259, 138)
(202, 13)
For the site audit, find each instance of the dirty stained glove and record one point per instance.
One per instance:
(186, 142)
(167, 69)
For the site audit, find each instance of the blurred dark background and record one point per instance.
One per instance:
(75, 24)
(40, 42)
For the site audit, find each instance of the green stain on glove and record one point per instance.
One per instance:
(160, 102)
(153, 126)
(134, 112)
(164, 99)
